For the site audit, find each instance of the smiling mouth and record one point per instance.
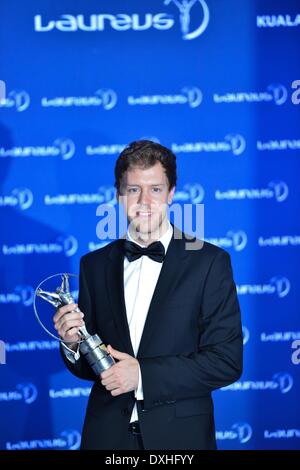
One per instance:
(143, 214)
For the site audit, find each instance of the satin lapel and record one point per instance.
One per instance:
(115, 288)
(175, 256)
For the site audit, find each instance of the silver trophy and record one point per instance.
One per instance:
(90, 346)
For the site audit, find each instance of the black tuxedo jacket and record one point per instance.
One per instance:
(191, 345)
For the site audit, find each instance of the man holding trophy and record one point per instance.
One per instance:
(169, 315)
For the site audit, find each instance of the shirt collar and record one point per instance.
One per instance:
(165, 239)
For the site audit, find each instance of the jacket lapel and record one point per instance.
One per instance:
(115, 289)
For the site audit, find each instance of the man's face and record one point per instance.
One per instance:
(145, 195)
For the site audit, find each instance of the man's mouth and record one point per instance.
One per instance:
(143, 214)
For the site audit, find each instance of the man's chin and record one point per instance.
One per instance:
(144, 227)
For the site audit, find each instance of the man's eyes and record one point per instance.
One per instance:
(136, 190)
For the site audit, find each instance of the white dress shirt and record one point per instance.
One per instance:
(140, 279)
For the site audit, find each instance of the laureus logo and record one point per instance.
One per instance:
(72, 439)
(282, 286)
(239, 239)
(28, 392)
(237, 142)
(279, 92)
(284, 381)
(185, 7)
(243, 431)
(69, 244)
(137, 22)
(280, 190)
(16, 99)
(66, 147)
(24, 295)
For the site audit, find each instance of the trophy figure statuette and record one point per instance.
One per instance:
(90, 346)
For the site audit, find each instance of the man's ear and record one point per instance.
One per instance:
(171, 194)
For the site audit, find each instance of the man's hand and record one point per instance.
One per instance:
(67, 323)
(122, 377)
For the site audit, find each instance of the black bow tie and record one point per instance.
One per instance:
(155, 251)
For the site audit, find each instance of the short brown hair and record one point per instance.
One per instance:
(145, 154)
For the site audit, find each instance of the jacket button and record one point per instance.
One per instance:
(125, 411)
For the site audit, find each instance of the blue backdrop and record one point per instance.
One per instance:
(213, 81)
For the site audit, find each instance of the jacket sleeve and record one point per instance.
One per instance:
(219, 358)
(80, 367)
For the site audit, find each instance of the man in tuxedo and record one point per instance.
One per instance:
(169, 315)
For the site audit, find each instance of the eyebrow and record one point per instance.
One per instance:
(153, 184)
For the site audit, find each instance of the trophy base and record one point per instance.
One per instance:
(96, 354)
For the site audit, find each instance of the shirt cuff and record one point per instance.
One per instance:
(71, 355)
(139, 395)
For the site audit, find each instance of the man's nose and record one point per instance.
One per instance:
(145, 197)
